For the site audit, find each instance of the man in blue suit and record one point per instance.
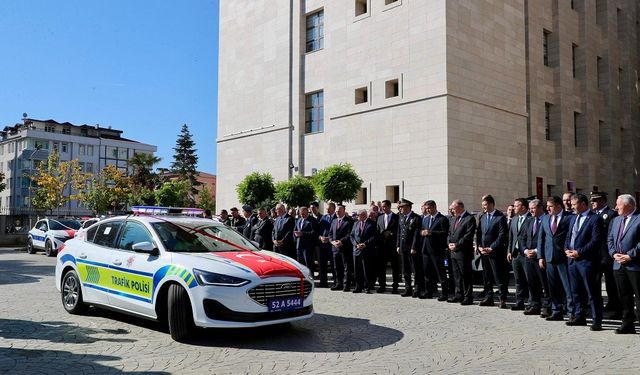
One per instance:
(582, 247)
(305, 237)
(551, 256)
(624, 248)
(492, 235)
(340, 235)
(363, 238)
(326, 256)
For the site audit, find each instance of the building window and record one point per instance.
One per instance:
(82, 150)
(65, 147)
(81, 165)
(315, 31)
(1, 149)
(50, 128)
(603, 136)
(393, 193)
(89, 168)
(10, 148)
(9, 167)
(620, 23)
(43, 145)
(574, 49)
(361, 198)
(56, 146)
(573, 4)
(389, 2)
(391, 88)
(90, 150)
(600, 69)
(66, 130)
(362, 95)
(576, 118)
(1, 166)
(362, 7)
(601, 12)
(619, 79)
(545, 47)
(547, 121)
(314, 113)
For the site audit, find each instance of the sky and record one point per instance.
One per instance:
(142, 66)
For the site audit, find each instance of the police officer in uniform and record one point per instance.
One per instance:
(408, 246)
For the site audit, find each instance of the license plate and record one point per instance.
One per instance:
(284, 304)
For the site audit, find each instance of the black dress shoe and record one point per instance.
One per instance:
(596, 327)
(532, 311)
(574, 322)
(487, 302)
(407, 293)
(467, 302)
(454, 300)
(518, 307)
(443, 298)
(357, 290)
(622, 330)
(346, 289)
(555, 317)
(545, 313)
(337, 287)
(415, 294)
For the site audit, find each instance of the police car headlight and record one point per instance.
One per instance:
(211, 278)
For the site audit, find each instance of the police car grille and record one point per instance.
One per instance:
(263, 293)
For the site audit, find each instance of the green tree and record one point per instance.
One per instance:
(206, 199)
(109, 190)
(297, 191)
(185, 160)
(53, 181)
(338, 183)
(256, 189)
(142, 175)
(173, 194)
(143, 196)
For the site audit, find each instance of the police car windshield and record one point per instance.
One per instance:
(198, 238)
(64, 224)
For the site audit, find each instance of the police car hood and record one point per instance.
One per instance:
(263, 264)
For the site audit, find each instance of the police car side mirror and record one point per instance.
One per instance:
(145, 247)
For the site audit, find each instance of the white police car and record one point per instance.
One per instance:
(184, 270)
(50, 234)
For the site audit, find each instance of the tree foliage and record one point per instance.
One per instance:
(206, 199)
(142, 175)
(338, 183)
(295, 192)
(109, 190)
(173, 194)
(57, 183)
(255, 189)
(185, 160)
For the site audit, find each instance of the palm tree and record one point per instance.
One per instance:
(142, 165)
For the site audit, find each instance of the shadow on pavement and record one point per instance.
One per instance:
(23, 272)
(33, 361)
(322, 333)
(59, 332)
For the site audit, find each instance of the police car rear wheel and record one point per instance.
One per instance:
(72, 294)
(30, 248)
(179, 314)
(48, 249)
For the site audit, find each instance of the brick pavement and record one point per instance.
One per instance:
(354, 334)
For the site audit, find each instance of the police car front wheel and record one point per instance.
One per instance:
(179, 315)
(30, 248)
(49, 250)
(72, 293)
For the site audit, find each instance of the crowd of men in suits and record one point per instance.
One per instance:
(559, 250)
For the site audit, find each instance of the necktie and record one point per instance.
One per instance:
(361, 227)
(535, 226)
(457, 223)
(520, 220)
(554, 224)
(338, 223)
(386, 221)
(430, 221)
(620, 232)
(574, 231)
(488, 220)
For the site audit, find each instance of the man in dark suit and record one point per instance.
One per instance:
(306, 237)
(434, 233)
(325, 255)
(600, 207)
(551, 256)
(539, 298)
(250, 220)
(582, 247)
(262, 230)
(515, 255)
(407, 246)
(387, 241)
(363, 239)
(624, 248)
(283, 233)
(342, 250)
(462, 228)
(237, 221)
(224, 217)
(491, 242)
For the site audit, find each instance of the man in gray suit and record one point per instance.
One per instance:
(515, 255)
(624, 248)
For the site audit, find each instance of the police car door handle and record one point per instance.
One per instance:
(117, 262)
(82, 256)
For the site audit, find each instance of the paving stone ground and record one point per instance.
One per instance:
(350, 334)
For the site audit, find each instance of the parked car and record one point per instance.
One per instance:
(85, 225)
(186, 271)
(50, 234)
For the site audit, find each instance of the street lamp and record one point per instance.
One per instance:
(38, 147)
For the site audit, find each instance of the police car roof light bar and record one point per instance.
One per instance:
(158, 210)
